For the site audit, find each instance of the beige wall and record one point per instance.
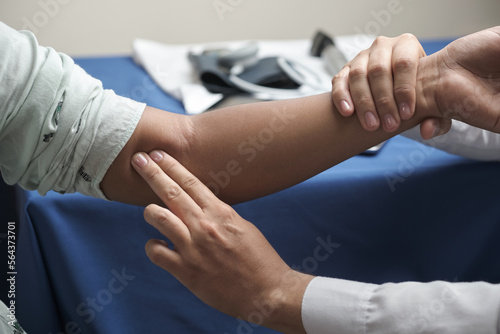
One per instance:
(99, 27)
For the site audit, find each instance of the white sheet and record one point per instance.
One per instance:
(170, 68)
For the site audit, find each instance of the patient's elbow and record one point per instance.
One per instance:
(157, 129)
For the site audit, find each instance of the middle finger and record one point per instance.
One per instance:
(188, 182)
(174, 197)
(382, 86)
(361, 93)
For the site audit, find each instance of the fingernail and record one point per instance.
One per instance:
(344, 107)
(370, 119)
(390, 122)
(436, 131)
(140, 160)
(156, 156)
(404, 110)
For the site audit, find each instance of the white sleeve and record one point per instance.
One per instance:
(59, 129)
(346, 307)
(465, 140)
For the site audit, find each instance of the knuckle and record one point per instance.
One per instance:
(412, 39)
(337, 93)
(170, 192)
(210, 229)
(155, 254)
(361, 54)
(336, 79)
(384, 103)
(341, 75)
(189, 182)
(404, 63)
(365, 102)
(380, 40)
(378, 69)
(404, 90)
(168, 165)
(160, 217)
(340, 84)
(151, 174)
(218, 227)
(408, 36)
(155, 215)
(356, 73)
(226, 212)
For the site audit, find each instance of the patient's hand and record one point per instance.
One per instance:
(222, 258)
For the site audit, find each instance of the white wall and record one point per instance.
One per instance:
(98, 27)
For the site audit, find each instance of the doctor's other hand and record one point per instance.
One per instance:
(462, 81)
(379, 84)
(219, 256)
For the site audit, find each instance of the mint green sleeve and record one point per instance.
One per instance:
(59, 129)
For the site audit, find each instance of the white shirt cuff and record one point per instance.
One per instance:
(464, 140)
(335, 306)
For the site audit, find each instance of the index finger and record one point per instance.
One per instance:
(340, 92)
(167, 189)
(188, 182)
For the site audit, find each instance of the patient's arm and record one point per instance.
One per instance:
(248, 151)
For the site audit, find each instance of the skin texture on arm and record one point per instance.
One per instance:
(249, 151)
(246, 151)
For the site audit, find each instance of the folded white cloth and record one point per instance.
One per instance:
(170, 68)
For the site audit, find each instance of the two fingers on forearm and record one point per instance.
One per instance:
(379, 84)
(183, 194)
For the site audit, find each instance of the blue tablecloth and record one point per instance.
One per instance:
(409, 213)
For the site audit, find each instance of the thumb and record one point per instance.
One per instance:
(433, 127)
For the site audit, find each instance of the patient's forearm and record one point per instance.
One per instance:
(246, 151)
(258, 149)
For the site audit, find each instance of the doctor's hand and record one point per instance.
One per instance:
(222, 258)
(462, 81)
(379, 84)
